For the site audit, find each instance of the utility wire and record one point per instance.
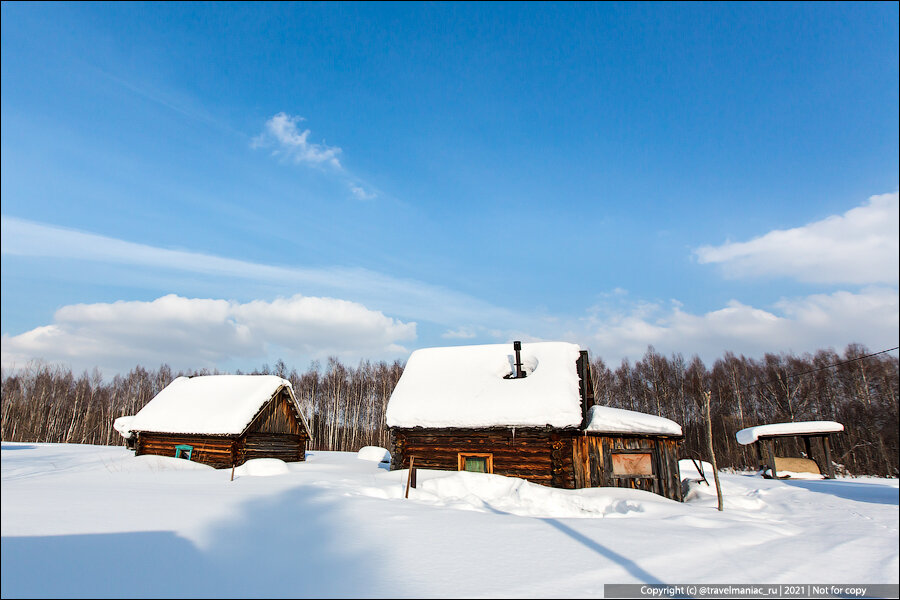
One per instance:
(816, 370)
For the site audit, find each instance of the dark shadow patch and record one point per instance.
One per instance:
(850, 490)
(290, 545)
(17, 447)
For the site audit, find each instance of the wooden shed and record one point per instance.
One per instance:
(769, 439)
(220, 420)
(526, 410)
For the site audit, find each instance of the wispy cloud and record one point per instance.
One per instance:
(283, 134)
(862, 246)
(199, 332)
(360, 193)
(409, 299)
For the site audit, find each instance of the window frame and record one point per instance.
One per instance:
(461, 460)
(181, 449)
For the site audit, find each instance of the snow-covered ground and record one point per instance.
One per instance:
(92, 521)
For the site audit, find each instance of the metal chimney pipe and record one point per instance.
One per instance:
(517, 346)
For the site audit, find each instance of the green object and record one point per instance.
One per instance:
(183, 451)
(476, 464)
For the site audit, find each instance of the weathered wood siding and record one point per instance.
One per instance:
(278, 416)
(592, 460)
(558, 458)
(524, 453)
(215, 451)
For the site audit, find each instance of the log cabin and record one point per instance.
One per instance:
(768, 438)
(220, 420)
(526, 410)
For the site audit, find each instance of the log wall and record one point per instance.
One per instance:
(524, 453)
(216, 451)
(559, 458)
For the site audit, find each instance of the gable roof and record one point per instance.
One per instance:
(211, 404)
(464, 386)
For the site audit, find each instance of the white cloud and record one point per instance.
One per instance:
(360, 193)
(862, 246)
(197, 332)
(282, 132)
(803, 324)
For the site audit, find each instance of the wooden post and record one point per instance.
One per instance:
(759, 455)
(770, 452)
(232, 470)
(409, 476)
(712, 453)
(829, 466)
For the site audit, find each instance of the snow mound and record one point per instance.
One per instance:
(795, 474)
(492, 493)
(374, 453)
(688, 469)
(152, 462)
(262, 467)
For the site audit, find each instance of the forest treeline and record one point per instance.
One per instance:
(345, 405)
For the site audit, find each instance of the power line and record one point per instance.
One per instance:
(816, 370)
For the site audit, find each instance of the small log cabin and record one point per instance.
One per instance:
(526, 410)
(220, 420)
(808, 467)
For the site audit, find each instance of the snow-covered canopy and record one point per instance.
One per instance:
(210, 404)
(464, 386)
(617, 420)
(751, 434)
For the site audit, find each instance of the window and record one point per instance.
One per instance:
(632, 464)
(476, 462)
(184, 451)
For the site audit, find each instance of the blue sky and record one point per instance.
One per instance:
(222, 185)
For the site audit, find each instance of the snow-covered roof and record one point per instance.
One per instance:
(123, 425)
(464, 386)
(209, 404)
(751, 434)
(617, 420)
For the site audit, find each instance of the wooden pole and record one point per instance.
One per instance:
(412, 460)
(232, 470)
(770, 452)
(712, 453)
(829, 466)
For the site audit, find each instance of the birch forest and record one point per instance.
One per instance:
(345, 404)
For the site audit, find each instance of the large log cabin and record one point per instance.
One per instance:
(220, 420)
(526, 410)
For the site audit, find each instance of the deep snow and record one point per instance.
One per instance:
(96, 521)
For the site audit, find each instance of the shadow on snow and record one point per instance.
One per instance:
(287, 546)
(861, 492)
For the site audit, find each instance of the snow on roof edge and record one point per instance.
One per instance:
(749, 435)
(606, 419)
